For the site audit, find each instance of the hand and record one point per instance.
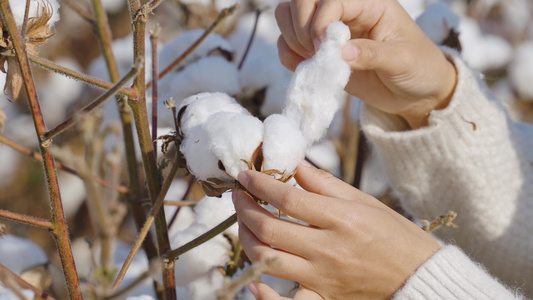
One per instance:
(354, 247)
(396, 68)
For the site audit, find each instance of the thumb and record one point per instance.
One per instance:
(365, 54)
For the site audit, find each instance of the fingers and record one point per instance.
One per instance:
(271, 230)
(311, 208)
(302, 12)
(289, 266)
(288, 58)
(288, 31)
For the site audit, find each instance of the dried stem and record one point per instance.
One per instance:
(251, 40)
(46, 224)
(59, 226)
(70, 121)
(221, 16)
(174, 254)
(361, 151)
(58, 165)
(153, 38)
(446, 220)
(44, 63)
(25, 21)
(149, 221)
(75, 7)
(154, 268)
(134, 200)
(151, 171)
(180, 203)
(7, 275)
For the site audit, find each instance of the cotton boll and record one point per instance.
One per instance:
(201, 162)
(18, 8)
(437, 20)
(202, 106)
(211, 211)
(206, 287)
(233, 138)
(267, 32)
(325, 156)
(521, 70)
(483, 52)
(209, 74)
(276, 94)
(517, 14)
(138, 266)
(20, 254)
(316, 89)
(178, 46)
(199, 260)
(283, 145)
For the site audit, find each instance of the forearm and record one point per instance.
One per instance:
(472, 159)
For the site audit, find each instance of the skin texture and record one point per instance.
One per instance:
(354, 247)
(396, 68)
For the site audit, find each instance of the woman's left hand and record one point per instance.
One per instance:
(354, 246)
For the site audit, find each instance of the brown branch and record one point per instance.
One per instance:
(221, 16)
(149, 221)
(7, 275)
(106, 95)
(46, 224)
(44, 63)
(25, 21)
(59, 225)
(250, 41)
(153, 38)
(58, 165)
(75, 7)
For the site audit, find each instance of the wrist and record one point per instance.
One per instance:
(417, 114)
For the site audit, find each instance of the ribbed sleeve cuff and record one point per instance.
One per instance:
(450, 274)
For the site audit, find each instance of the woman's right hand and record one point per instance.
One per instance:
(396, 68)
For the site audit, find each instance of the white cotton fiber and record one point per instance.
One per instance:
(521, 70)
(283, 144)
(18, 7)
(20, 254)
(198, 261)
(205, 287)
(316, 89)
(201, 106)
(437, 20)
(208, 74)
(201, 162)
(211, 211)
(233, 138)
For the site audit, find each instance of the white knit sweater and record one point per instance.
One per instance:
(472, 159)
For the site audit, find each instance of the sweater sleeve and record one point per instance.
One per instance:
(472, 159)
(450, 274)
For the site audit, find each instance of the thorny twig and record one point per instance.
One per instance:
(446, 220)
(59, 225)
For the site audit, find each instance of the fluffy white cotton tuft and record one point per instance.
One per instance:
(521, 70)
(206, 287)
(201, 162)
(283, 144)
(233, 138)
(18, 7)
(437, 20)
(316, 89)
(202, 106)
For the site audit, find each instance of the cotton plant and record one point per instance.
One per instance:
(42, 16)
(221, 144)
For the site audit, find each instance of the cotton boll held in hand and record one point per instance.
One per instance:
(283, 146)
(316, 89)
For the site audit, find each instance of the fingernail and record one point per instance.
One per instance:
(349, 52)
(253, 289)
(244, 178)
(316, 43)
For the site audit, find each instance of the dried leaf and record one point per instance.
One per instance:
(3, 119)
(214, 187)
(13, 79)
(38, 30)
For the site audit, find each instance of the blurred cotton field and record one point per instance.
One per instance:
(229, 105)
